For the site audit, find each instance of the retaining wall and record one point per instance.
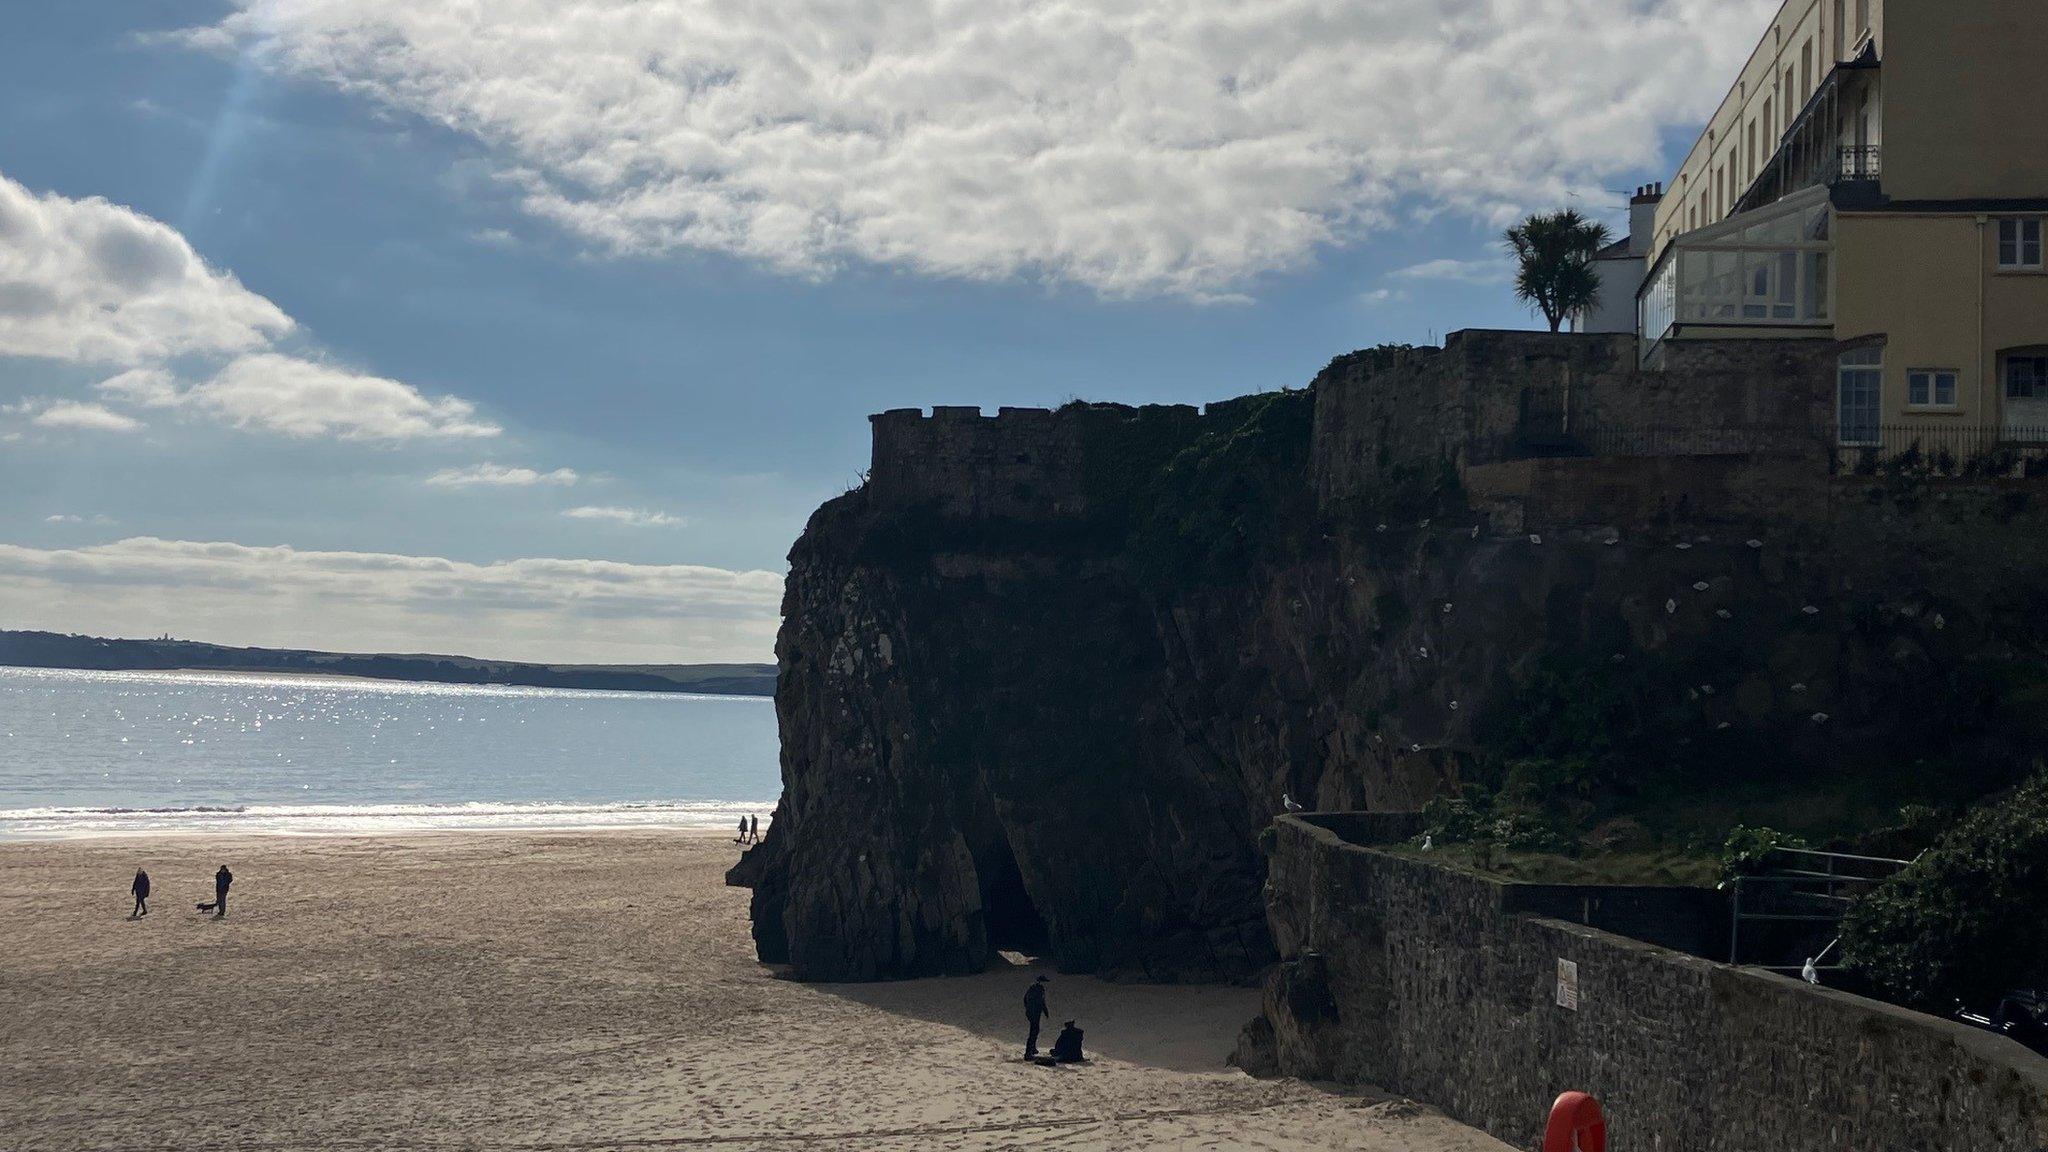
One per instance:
(1437, 984)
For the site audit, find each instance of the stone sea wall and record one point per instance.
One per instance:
(1444, 986)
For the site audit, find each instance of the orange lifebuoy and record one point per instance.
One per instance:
(1576, 1125)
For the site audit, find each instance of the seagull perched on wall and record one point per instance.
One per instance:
(1287, 802)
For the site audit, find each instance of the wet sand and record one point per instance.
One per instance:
(565, 991)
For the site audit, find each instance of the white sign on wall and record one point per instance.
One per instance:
(1568, 984)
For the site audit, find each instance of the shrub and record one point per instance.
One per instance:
(1968, 920)
(1744, 851)
(1457, 819)
(1490, 822)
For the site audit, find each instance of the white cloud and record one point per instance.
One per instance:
(71, 415)
(305, 398)
(90, 281)
(636, 517)
(1132, 146)
(538, 609)
(1462, 271)
(63, 518)
(1380, 296)
(498, 475)
(96, 283)
(148, 387)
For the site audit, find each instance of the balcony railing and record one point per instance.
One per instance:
(1857, 162)
(1809, 153)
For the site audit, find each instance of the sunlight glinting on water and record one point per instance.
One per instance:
(87, 752)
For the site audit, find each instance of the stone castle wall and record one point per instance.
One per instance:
(1441, 985)
(1023, 464)
(1490, 398)
(1705, 432)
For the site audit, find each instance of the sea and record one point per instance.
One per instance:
(95, 753)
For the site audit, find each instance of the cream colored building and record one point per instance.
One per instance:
(1878, 175)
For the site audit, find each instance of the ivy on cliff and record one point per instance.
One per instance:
(1237, 495)
(1968, 920)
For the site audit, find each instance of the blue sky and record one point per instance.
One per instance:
(649, 271)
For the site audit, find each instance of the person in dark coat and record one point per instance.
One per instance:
(1034, 1011)
(1066, 1047)
(754, 828)
(221, 880)
(141, 890)
(742, 837)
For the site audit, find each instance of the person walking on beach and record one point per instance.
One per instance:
(742, 837)
(1034, 1011)
(754, 828)
(221, 880)
(141, 890)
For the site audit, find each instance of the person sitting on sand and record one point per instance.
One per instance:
(1066, 1048)
(141, 890)
(221, 880)
(1034, 1011)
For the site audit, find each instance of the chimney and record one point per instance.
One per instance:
(1642, 218)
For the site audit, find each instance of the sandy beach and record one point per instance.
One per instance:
(590, 991)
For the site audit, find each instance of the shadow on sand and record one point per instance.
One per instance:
(1180, 1027)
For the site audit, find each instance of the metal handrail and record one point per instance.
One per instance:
(1857, 162)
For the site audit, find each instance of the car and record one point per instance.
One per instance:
(2021, 1014)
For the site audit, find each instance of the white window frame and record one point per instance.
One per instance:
(2017, 228)
(2006, 374)
(1866, 364)
(1927, 382)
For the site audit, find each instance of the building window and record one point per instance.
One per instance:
(1859, 386)
(1806, 70)
(2019, 245)
(1931, 388)
(2026, 378)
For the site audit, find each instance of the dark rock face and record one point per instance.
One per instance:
(971, 763)
(1058, 720)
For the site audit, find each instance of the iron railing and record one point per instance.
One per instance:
(1857, 162)
(1943, 449)
(1790, 910)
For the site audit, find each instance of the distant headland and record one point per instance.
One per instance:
(57, 650)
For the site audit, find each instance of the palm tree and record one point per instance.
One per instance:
(1554, 257)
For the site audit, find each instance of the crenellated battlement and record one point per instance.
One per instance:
(1027, 464)
(1485, 399)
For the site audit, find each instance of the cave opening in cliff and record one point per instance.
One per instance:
(1013, 922)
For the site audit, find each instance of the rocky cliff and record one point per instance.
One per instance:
(1045, 677)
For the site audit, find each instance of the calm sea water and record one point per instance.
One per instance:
(95, 752)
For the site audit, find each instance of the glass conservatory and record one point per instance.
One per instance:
(1766, 269)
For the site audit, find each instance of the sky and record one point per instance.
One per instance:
(536, 331)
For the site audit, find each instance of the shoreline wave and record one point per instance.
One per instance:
(358, 819)
(313, 681)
